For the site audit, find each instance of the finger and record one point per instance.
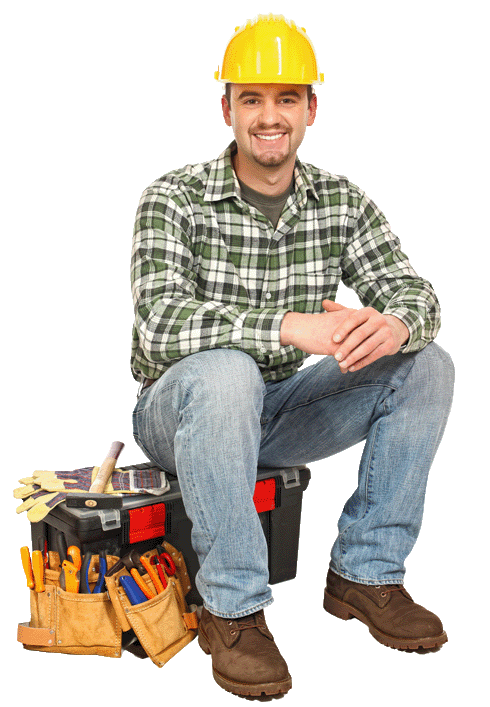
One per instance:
(357, 318)
(355, 339)
(379, 352)
(350, 323)
(365, 355)
(331, 306)
(365, 346)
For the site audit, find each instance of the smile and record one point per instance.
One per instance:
(270, 138)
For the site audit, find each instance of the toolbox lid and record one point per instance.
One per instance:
(85, 521)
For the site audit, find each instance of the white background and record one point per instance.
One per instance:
(100, 99)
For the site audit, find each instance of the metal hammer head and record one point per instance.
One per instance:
(129, 561)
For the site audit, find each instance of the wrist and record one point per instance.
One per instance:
(400, 328)
(286, 328)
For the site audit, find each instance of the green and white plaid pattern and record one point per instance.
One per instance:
(208, 270)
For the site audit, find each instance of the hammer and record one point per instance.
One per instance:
(132, 562)
(106, 469)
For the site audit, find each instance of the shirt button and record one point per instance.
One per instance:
(263, 349)
(268, 295)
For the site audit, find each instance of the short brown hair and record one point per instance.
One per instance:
(309, 92)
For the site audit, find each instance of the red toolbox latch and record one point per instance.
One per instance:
(146, 523)
(265, 495)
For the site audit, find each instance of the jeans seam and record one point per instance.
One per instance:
(329, 395)
(367, 487)
(368, 582)
(240, 614)
(197, 506)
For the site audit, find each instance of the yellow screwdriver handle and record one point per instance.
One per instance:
(26, 564)
(38, 570)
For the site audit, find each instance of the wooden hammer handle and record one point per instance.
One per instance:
(106, 469)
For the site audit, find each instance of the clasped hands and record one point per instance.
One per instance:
(355, 337)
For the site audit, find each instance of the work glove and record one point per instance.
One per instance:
(46, 489)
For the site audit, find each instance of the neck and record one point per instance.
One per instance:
(266, 180)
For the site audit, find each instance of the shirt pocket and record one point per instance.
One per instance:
(316, 282)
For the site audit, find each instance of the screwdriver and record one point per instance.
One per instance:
(38, 570)
(26, 564)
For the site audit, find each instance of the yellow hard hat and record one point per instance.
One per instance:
(269, 49)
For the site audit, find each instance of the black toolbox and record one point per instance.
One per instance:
(143, 520)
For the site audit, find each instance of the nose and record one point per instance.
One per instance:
(270, 114)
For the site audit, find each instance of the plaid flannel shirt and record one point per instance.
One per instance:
(209, 271)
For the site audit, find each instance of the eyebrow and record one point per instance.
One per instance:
(256, 94)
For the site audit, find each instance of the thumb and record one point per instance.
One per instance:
(331, 306)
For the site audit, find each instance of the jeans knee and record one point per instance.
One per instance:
(436, 374)
(441, 364)
(226, 376)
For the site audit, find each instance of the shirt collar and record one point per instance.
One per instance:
(222, 182)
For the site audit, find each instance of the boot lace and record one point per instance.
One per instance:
(389, 588)
(245, 622)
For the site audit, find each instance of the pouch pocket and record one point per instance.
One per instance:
(161, 623)
(65, 622)
(87, 624)
(165, 623)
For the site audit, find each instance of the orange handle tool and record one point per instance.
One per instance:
(153, 575)
(72, 581)
(26, 564)
(108, 466)
(75, 555)
(38, 570)
(142, 584)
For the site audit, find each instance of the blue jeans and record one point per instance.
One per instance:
(212, 420)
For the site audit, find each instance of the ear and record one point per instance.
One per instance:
(312, 110)
(226, 110)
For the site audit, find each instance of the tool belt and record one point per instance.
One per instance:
(105, 623)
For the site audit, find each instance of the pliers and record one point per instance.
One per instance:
(84, 585)
(164, 564)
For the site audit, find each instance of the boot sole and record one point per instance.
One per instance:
(344, 611)
(244, 689)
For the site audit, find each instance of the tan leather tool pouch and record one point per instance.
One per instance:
(163, 624)
(65, 622)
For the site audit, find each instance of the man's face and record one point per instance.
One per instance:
(269, 121)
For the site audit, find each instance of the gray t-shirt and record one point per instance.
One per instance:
(270, 206)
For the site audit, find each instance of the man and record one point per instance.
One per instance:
(236, 264)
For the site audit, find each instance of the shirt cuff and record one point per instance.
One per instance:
(260, 330)
(414, 324)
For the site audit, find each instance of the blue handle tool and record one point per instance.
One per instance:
(133, 592)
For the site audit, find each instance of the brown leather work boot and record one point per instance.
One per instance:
(389, 611)
(246, 661)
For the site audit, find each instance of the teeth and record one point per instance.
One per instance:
(269, 137)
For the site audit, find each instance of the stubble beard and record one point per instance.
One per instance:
(271, 159)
